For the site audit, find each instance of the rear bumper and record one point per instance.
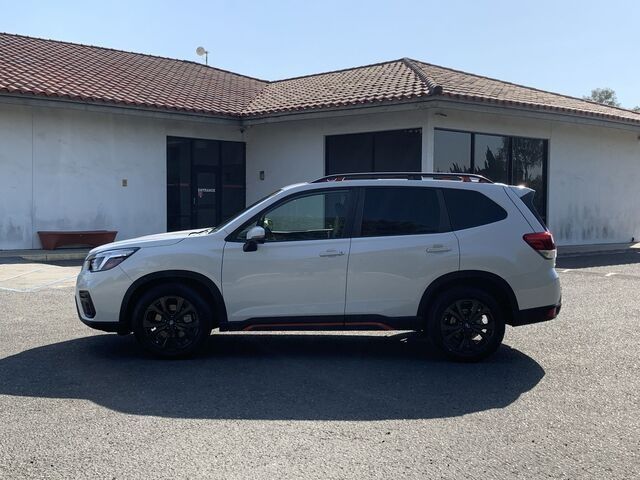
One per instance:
(535, 315)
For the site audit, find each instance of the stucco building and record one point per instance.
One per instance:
(94, 138)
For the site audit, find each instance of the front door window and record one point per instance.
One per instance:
(317, 216)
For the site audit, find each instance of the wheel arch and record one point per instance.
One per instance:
(202, 284)
(489, 282)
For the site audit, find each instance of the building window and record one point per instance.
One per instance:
(389, 151)
(512, 160)
(452, 151)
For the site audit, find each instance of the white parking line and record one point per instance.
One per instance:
(7, 289)
(22, 274)
(38, 287)
(611, 274)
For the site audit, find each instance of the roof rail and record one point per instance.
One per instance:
(460, 177)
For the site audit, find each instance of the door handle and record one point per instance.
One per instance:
(438, 248)
(331, 253)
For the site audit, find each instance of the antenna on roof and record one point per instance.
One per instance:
(201, 51)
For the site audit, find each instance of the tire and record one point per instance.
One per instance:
(172, 321)
(466, 324)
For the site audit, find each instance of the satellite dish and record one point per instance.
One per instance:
(202, 52)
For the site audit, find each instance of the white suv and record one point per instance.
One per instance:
(453, 255)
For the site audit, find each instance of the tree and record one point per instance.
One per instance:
(606, 96)
(636, 109)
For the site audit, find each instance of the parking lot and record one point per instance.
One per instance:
(558, 400)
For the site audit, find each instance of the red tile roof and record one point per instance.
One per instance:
(32, 66)
(79, 72)
(467, 86)
(382, 82)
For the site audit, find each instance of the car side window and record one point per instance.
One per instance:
(468, 209)
(316, 216)
(400, 211)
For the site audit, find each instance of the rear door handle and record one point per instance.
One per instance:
(331, 253)
(438, 248)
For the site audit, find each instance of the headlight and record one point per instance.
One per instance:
(102, 261)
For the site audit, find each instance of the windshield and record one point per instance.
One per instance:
(227, 222)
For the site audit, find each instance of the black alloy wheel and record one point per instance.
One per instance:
(467, 324)
(172, 321)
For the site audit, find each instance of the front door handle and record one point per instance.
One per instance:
(331, 253)
(438, 248)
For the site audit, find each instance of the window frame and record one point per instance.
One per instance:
(444, 227)
(348, 228)
(510, 166)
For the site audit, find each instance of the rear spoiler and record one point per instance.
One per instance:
(520, 191)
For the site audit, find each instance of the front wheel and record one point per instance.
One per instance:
(466, 324)
(171, 321)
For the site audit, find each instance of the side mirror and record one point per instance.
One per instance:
(255, 236)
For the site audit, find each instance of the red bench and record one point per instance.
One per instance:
(92, 238)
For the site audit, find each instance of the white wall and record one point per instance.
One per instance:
(594, 185)
(62, 169)
(594, 172)
(16, 158)
(292, 152)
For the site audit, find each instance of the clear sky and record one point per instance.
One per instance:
(564, 46)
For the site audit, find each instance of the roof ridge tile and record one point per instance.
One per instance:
(433, 87)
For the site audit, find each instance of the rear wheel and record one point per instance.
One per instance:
(467, 324)
(172, 321)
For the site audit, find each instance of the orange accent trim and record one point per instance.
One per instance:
(257, 326)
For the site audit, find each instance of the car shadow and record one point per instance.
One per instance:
(274, 377)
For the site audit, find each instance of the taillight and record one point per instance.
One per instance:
(541, 242)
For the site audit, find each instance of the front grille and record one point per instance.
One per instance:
(87, 305)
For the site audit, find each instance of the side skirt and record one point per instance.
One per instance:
(323, 323)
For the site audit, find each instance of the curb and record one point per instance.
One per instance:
(48, 257)
(43, 255)
(597, 249)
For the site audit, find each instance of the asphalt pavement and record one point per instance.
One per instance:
(558, 400)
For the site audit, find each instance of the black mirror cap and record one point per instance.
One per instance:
(250, 246)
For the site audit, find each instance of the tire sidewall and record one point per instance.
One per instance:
(434, 330)
(203, 311)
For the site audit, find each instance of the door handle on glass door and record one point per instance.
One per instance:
(331, 253)
(438, 248)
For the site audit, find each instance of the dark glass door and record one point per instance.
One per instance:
(205, 190)
(205, 182)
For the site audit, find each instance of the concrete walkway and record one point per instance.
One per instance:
(27, 276)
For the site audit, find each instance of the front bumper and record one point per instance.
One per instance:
(99, 297)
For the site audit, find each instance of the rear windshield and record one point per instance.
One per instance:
(528, 201)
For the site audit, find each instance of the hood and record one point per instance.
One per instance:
(156, 240)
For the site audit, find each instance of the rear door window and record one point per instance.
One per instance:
(400, 211)
(468, 209)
